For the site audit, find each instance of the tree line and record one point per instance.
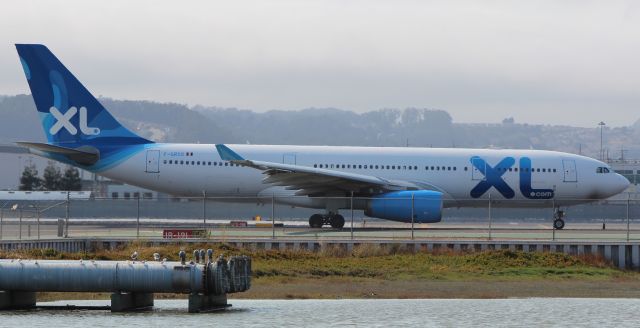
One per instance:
(52, 178)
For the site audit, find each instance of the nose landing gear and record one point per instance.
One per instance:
(335, 220)
(558, 222)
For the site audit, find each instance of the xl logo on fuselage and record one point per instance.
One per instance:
(64, 121)
(493, 178)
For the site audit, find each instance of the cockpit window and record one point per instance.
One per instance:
(602, 170)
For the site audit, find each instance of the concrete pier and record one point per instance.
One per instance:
(121, 302)
(206, 303)
(12, 300)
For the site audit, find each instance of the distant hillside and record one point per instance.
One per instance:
(169, 122)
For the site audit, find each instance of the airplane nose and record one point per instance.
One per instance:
(621, 184)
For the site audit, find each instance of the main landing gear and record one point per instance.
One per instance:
(558, 222)
(335, 220)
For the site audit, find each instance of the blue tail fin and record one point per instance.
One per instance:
(70, 115)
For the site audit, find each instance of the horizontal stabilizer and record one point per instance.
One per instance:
(83, 155)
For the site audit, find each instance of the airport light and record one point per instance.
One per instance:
(601, 124)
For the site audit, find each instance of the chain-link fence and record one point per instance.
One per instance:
(289, 217)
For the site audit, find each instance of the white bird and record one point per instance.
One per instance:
(134, 256)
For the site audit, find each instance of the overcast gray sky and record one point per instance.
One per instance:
(562, 62)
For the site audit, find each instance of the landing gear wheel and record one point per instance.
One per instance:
(337, 221)
(315, 221)
(558, 224)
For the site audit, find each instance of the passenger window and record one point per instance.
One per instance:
(426, 168)
(181, 162)
(343, 166)
(606, 170)
(170, 162)
(544, 170)
(465, 168)
(164, 162)
(454, 168)
(515, 169)
(554, 170)
(209, 163)
(360, 166)
(187, 162)
(537, 170)
(226, 164)
(438, 168)
(448, 168)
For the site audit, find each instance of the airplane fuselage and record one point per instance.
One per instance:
(466, 177)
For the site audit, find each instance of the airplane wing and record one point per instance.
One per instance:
(310, 181)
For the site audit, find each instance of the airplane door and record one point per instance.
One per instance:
(570, 172)
(475, 173)
(153, 161)
(289, 158)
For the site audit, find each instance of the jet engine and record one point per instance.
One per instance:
(426, 206)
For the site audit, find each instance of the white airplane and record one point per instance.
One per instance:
(400, 184)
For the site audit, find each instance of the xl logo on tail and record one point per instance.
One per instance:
(64, 121)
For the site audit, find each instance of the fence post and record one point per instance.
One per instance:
(628, 200)
(490, 219)
(553, 226)
(66, 220)
(412, 214)
(1, 220)
(20, 224)
(138, 216)
(204, 210)
(352, 215)
(273, 216)
(37, 220)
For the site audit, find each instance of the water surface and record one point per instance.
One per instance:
(538, 312)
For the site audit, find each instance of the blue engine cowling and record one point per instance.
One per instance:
(396, 206)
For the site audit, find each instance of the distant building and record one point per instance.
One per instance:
(13, 159)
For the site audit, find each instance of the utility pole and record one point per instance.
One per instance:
(601, 124)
